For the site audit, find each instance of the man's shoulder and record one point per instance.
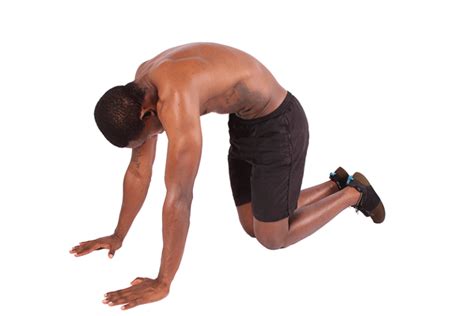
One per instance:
(178, 72)
(177, 79)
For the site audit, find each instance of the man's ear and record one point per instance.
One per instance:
(145, 112)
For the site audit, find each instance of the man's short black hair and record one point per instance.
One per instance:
(117, 114)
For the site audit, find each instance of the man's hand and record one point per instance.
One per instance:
(142, 291)
(112, 242)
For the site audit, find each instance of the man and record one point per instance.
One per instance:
(268, 143)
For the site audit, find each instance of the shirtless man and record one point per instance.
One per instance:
(268, 143)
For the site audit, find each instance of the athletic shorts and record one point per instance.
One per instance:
(266, 160)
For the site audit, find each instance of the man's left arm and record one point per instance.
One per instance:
(182, 163)
(181, 120)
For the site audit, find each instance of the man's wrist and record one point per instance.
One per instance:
(118, 235)
(163, 281)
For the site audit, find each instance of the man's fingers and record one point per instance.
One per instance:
(83, 251)
(128, 294)
(87, 242)
(122, 292)
(122, 298)
(111, 253)
(76, 248)
(133, 303)
(88, 248)
(118, 300)
(79, 247)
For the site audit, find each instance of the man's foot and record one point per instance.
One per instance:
(369, 203)
(340, 177)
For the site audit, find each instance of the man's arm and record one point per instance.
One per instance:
(135, 187)
(181, 120)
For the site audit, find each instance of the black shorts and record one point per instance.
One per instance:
(266, 160)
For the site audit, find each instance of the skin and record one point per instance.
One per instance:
(182, 84)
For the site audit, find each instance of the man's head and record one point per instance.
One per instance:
(126, 116)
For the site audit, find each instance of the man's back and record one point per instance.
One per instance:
(224, 79)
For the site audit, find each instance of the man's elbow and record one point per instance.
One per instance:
(177, 209)
(141, 174)
(179, 199)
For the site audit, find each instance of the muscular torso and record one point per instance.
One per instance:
(222, 78)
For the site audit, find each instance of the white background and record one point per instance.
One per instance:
(386, 85)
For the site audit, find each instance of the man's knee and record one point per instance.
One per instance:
(246, 218)
(248, 230)
(271, 243)
(272, 235)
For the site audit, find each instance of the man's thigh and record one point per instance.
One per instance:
(240, 173)
(271, 200)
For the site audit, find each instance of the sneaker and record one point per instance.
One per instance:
(369, 203)
(340, 177)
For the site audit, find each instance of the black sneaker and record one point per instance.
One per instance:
(369, 203)
(340, 177)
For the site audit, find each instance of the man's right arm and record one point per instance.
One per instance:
(135, 185)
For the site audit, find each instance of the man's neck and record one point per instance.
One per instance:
(151, 94)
